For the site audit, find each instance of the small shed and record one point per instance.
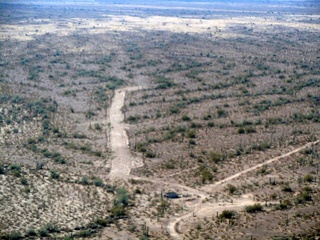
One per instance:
(171, 195)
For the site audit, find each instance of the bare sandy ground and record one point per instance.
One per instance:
(111, 23)
(123, 161)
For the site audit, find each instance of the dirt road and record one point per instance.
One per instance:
(208, 209)
(209, 187)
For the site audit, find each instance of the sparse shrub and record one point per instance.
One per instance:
(273, 196)
(195, 125)
(27, 189)
(70, 237)
(227, 214)
(169, 164)
(222, 113)
(89, 114)
(132, 228)
(150, 154)
(137, 191)
(191, 133)
(24, 181)
(39, 165)
(141, 147)
(185, 118)
(84, 233)
(122, 197)
(14, 167)
(263, 170)
(164, 83)
(97, 127)
(257, 207)
(286, 188)
(54, 174)
(207, 117)
(52, 228)
(308, 151)
(134, 118)
(231, 189)
(98, 182)
(206, 175)
(210, 124)
(102, 222)
(2, 170)
(79, 135)
(303, 197)
(262, 146)
(216, 157)
(31, 233)
(43, 232)
(247, 129)
(174, 109)
(308, 178)
(16, 173)
(84, 180)
(286, 204)
(118, 211)
(15, 235)
(307, 189)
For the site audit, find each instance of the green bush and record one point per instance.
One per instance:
(24, 181)
(232, 189)
(191, 133)
(118, 211)
(98, 182)
(185, 118)
(150, 154)
(54, 174)
(308, 178)
(222, 113)
(286, 188)
(122, 197)
(15, 235)
(216, 157)
(84, 180)
(43, 232)
(257, 207)
(14, 167)
(141, 147)
(286, 204)
(164, 83)
(303, 197)
(227, 214)
(247, 129)
(31, 233)
(174, 110)
(206, 175)
(84, 233)
(102, 222)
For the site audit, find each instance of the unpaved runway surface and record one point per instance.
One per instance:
(123, 161)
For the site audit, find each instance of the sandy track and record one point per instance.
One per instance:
(208, 209)
(208, 188)
(123, 161)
